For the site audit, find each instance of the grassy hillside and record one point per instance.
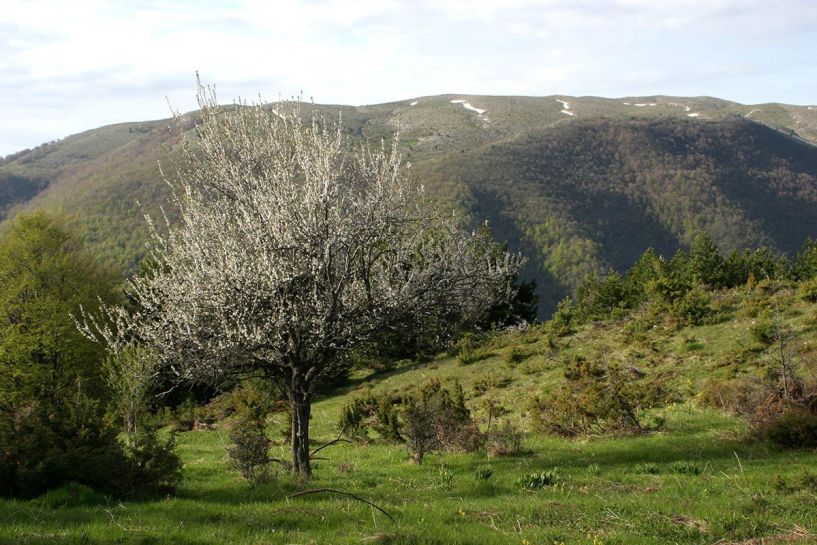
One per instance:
(577, 183)
(698, 479)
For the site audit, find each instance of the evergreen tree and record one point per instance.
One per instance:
(705, 262)
(804, 264)
(643, 271)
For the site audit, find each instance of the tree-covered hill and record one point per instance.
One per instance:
(577, 183)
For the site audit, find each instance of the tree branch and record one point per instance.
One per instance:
(342, 493)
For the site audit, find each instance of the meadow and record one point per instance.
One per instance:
(699, 479)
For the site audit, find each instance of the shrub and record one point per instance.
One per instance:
(796, 427)
(516, 355)
(48, 445)
(436, 418)
(490, 381)
(483, 473)
(249, 453)
(505, 440)
(561, 324)
(808, 290)
(686, 468)
(535, 481)
(736, 397)
(764, 331)
(596, 398)
(155, 466)
(379, 414)
(646, 468)
(694, 307)
(467, 357)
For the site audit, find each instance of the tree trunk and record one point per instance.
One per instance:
(301, 407)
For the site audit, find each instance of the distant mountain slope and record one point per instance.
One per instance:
(577, 183)
(594, 194)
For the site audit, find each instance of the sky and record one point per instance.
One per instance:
(69, 66)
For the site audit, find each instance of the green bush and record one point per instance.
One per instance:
(504, 440)
(764, 331)
(796, 427)
(249, 453)
(561, 324)
(483, 473)
(646, 468)
(808, 290)
(490, 381)
(155, 468)
(693, 307)
(516, 355)
(535, 481)
(368, 412)
(48, 445)
(686, 468)
(435, 418)
(596, 398)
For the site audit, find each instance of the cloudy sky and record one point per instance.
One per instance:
(68, 66)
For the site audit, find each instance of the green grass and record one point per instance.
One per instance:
(736, 495)
(698, 481)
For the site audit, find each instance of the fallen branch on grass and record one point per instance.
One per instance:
(342, 493)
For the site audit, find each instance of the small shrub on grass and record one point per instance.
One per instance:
(735, 397)
(594, 470)
(536, 481)
(467, 357)
(516, 355)
(561, 324)
(483, 473)
(636, 329)
(596, 398)
(48, 445)
(504, 440)
(764, 331)
(694, 308)
(646, 468)
(686, 468)
(249, 453)
(796, 427)
(808, 290)
(445, 478)
(376, 413)
(436, 418)
(490, 381)
(155, 466)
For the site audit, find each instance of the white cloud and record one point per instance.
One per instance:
(69, 66)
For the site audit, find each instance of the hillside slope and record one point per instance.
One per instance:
(577, 183)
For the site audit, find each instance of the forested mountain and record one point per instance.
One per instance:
(578, 184)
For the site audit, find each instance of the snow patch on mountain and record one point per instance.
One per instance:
(565, 107)
(467, 106)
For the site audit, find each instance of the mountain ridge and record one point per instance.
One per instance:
(579, 184)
